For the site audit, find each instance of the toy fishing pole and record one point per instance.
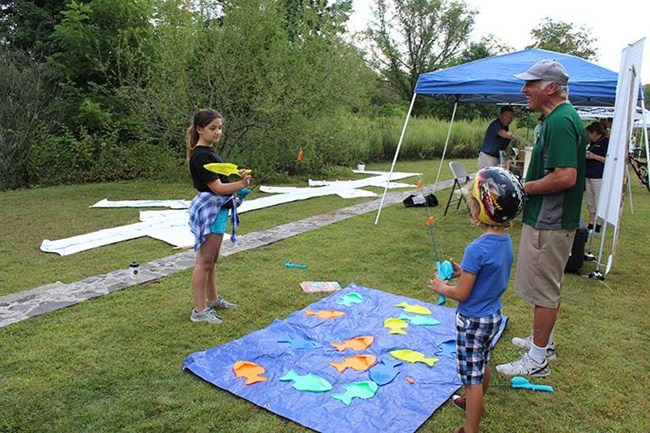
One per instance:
(445, 269)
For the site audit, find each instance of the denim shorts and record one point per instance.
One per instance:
(475, 339)
(218, 227)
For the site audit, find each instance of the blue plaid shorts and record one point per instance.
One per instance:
(475, 339)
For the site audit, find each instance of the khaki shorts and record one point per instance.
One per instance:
(592, 192)
(485, 160)
(543, 254)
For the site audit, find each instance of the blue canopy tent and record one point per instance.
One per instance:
(491, 81)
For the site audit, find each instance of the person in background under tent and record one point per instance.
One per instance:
(209, 212)
(596, 155)
(496, 139)
(496, 198)
(538, 128)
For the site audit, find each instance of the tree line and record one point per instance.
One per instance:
(102, 90)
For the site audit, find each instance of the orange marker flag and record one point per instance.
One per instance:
(300, 155)
(429, 222)
(419, 187)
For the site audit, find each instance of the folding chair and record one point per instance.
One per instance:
(461, 177)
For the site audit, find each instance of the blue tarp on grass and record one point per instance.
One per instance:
(399, 406)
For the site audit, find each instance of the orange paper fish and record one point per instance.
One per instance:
(357, 343)
(250, 370)
(358, 362)
(325, 314)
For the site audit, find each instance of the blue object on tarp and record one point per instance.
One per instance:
(397, 406)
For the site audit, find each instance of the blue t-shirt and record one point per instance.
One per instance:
(493, 142)
(489, 257)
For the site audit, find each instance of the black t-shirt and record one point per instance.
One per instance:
(594, 169)
(201, 176)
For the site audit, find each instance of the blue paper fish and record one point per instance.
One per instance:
(447, 349)
(349, 299)
(309, 382)
(363, 390)
(300, 343)
(384, 372)
(420, 320)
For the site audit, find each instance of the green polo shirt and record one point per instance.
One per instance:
(561, 144)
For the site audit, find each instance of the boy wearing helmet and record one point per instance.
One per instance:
(497, 197)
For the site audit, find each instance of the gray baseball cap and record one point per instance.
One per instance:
(547, 70)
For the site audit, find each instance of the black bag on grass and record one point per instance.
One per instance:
(420, 200)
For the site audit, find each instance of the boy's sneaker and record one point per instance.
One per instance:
(525, 343)
(221, 304)
(206, 316)
(525, 366)
(459, 401)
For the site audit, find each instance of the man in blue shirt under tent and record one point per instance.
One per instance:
(497, 137)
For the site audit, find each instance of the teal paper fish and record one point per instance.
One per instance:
(419, 320)
(412, 356)
(349, 299)
(309, 382)
(415, 309)
(363, 390)
(395, 325)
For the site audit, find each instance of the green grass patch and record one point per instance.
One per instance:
(113, 363)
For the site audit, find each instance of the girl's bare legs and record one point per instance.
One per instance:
(211, 294)
(204, 269)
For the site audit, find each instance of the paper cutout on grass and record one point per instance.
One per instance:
(357, 343)
(325, 314)
(363, 390)
(300, 343)
(415, 309)
(413, 356)
(349, 299)
(395, 325)
(385, 371)
(357, 362)
(309, 382)
(419, 320)
(447, 349)
(250, 370)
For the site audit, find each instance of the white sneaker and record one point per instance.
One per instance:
(525, 366)
(525, 343)
(221, 304)
(206, 316)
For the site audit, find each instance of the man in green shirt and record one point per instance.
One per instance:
(554, 185)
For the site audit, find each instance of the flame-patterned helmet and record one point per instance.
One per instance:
(500, 195)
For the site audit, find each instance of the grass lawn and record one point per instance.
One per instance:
(113, 363)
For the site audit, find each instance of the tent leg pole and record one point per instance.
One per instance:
(392, 167)
(444, 150)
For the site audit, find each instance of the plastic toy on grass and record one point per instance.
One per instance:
(519, 382)
(288, 264)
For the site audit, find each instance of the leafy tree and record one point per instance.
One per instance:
(410, 37)
(564, 38)
(26, 25)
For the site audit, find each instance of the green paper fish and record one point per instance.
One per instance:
(309, 382)
(415, 309)
(419, 320)
(225, 168)
(363, 390)
(412, 356)
(349, 299)
(395, 325)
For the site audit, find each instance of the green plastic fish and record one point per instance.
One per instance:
(309, 382)
(364, 390)
(412, 356)
(395, 325)
(419, 320)
(225, 168)
(415, 309)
